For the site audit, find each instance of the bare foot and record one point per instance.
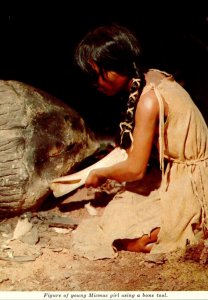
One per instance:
(143, 244)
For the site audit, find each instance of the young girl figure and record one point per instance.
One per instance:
(159, 112)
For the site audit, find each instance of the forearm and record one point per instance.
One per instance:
(121, 172)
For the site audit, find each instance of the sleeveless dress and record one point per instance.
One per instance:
(179, 206)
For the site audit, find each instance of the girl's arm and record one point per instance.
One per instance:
(134, 167)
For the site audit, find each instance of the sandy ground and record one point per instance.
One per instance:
(36, 254)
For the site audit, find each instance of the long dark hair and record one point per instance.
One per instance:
(114, 48)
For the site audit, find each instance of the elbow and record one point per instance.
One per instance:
(133, 171)
(135, 175)
(139, 175)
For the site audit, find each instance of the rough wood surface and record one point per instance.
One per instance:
(41, 138)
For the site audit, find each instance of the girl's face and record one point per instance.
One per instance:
(110, 82)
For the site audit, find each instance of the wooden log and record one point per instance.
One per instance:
(41, 138)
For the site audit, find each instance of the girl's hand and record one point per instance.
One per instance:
(94, 179)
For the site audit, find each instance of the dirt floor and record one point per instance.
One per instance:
(36, 254)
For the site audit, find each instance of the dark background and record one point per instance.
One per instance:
(38, 41)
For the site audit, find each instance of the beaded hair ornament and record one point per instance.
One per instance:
(126, 126)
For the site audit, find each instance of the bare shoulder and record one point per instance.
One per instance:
(148, 103)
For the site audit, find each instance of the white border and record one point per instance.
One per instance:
(105, 295)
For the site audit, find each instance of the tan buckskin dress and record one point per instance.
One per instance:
(178, 204)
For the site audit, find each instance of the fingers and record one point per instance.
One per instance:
(94, 179)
